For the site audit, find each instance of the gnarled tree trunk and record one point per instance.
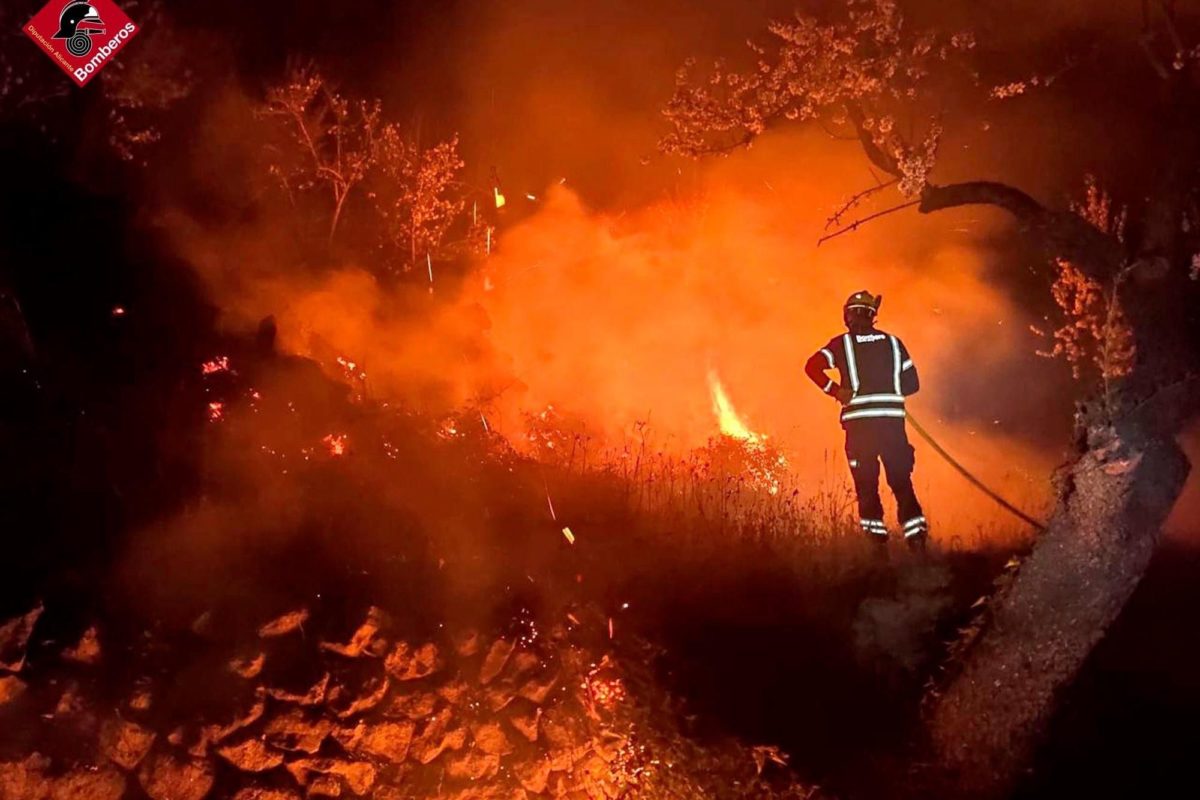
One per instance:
(1113, 501)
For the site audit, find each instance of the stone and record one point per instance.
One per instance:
(313, 697)
(495, 660)
(285, 624)
(88, 784)
(125, 743)
(14, 639)
(250, 754)
(295, 731)
(473, 765)
(11, 688)
(387, 740)
(87, 650)
(416, 706)
(407, 664)
(163, 776)
(490, 738)
(248, 667)
(370, 694)
(365, 640)
(359, 776)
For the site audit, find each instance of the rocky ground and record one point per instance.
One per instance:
(277, 710)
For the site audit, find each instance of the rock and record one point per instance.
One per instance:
(437, 738)
(296, 732)
(202, 625)
(495, 660)
(406, 664)
(87, 650)
(141, 699)
(253, 714)
(386, 740)
(454, 692)
(365, 640)
(417, 706)
(313, 697)
(490, 738)
(11, 687)
(248, 667)
(359, 776)
(14, 639)
(467, 644)
(497, 696)
(370, 694)
(281, 626)
(25, 780)
(165, 777)
(524, 662)
(536, 690)
(324, 786)
(527, 724)
(70, 702)
(250, 754)
(265, 793)
(533, 774)
(87, 784)
(473, 765)
(125, 743)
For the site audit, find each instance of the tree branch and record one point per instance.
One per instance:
(1063, 233)
(874, 152)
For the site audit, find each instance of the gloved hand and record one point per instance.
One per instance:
(843, 395)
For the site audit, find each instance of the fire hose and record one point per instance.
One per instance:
(978, 484)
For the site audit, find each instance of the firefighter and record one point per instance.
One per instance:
(876, 374)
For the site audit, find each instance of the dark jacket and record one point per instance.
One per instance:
(874, 365)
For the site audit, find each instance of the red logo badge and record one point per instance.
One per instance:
(82, 36)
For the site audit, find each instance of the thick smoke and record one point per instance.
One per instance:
(633, 276)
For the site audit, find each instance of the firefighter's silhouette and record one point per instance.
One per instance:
(78, 23)
(876, 374)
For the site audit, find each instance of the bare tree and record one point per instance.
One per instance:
(336, 138)
(860, 71)
(417, 195)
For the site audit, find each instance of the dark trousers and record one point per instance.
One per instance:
(869, 442)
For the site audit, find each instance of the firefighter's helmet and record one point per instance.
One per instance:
(75, 15)
(864, 300)
(862, 306)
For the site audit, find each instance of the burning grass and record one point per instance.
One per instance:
(535, 618)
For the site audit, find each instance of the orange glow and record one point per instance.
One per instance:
(336, 444)
(218, 364)
(216, 411)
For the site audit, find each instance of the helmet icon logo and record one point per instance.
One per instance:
(78, 23)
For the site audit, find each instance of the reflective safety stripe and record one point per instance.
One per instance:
(915, 527)
(851, 363)
(877, 398)
(906, 365)
(828, 356)
(874, 412)
(828, 386)
(874, 526)
(895, 363)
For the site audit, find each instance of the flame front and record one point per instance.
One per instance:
(731, 423)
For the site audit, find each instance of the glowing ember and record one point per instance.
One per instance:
(605, 691)
(118, 311)
(216, 411)
(570, 537)
(218, 364)
(337, 444)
